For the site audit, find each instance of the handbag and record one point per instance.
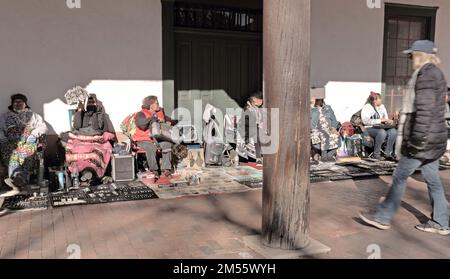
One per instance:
(163, 132)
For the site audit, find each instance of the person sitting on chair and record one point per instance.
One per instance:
(324, 134)
(374, 113)
(88, 147)
(150, 112)
(20, 130)
(89, 121)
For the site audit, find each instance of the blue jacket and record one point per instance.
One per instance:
(329, 115)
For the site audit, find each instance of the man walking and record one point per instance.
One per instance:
(422, 140)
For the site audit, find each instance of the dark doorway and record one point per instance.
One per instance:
(213, 53)
(403, 25)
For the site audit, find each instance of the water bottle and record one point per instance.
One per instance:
(76, 181)
(60, 175)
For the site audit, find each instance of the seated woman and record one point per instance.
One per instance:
(324, 134)
(152, 111)
(20, 129)
(374, 113)
(250, 125)
(88, 150)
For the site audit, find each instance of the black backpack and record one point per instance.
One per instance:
(356, 121)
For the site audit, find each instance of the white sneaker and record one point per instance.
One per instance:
(13, 192)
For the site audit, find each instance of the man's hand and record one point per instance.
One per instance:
(334, 131)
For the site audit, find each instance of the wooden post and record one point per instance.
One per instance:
(287, 87)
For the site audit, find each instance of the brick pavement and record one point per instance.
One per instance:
(213, 226)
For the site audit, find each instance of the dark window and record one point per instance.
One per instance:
(202, 16)
(403, 26)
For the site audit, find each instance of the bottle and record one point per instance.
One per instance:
(60, 175)
(76, 181)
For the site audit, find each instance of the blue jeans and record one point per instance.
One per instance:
(379, 136)
(430, 172)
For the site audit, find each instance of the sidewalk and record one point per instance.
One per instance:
(213, 226)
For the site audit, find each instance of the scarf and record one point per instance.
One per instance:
(407, 108)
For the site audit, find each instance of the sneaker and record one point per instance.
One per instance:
(378, 157)
(369, 218)
(14, 189)
(432, 227)
(20, 181)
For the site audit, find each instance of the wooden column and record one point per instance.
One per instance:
(287, 87)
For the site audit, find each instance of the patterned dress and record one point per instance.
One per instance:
(321, 135)
(18, 141)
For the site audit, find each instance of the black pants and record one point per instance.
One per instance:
(151, 154)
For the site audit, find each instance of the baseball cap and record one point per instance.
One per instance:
(422, 46)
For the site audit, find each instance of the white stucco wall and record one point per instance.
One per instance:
(347, 47)
(115, 47)
(47, 48)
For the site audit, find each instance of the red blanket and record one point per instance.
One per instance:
(89, 152)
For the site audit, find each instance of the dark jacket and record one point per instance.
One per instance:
(328, 113)
(92, 123)
(425, 130)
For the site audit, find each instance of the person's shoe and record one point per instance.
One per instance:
(432, 227)
(155, 174)
(168, 174)
(14, 189)
(378, 157)
(369, 218)
(86, 176)
(390, 157)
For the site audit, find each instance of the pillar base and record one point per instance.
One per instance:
(254, 242)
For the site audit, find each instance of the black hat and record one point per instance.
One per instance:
(257, 95)
(18, 97)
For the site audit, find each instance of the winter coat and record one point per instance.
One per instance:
(89, 123)
(371, 117)
(27, 121)
(328, 113)
(425, 132)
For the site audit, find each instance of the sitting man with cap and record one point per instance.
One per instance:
(150, 112)
(20, 129)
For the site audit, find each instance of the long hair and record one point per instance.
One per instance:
(427, 57)
(319, 103)
(373, 96)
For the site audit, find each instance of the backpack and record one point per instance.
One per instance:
(128, 125)
(347, 129)
(357, 123)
